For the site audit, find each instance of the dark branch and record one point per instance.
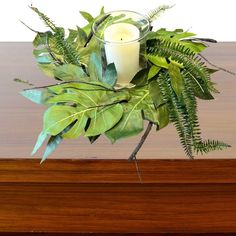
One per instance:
(142, 140)
(218, 67)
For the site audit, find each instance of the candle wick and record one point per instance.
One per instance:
(121, 39)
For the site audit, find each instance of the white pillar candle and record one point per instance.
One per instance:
(122, 50)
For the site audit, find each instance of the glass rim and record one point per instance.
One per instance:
(121, 43)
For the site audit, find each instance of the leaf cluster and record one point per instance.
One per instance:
(86, 101)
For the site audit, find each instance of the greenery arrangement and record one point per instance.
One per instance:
(84, 100)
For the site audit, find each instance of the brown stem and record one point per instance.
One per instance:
(142, 140)
(218, 67)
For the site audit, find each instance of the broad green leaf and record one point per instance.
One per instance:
(78, 128)
(47, 69)
(41, 138)
(110, 76)
(150, 113)
(182, 35)
(65, 97)
(41, 38)
(200, 89)
(36, 95)
(177, 82)
(83, 86)
(104, 120)
(140, 77)
(194, 46)
(52, 144)
(115, 96)
(158, 61)
(58, 117)
(69, 72)
(87, 16)
(131, 124)
(78, 37)
(163, 116)
(155, 93)
(153, 71)
(95, 67)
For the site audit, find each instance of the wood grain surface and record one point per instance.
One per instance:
(21, 120)
(105, 197)
(89, 190)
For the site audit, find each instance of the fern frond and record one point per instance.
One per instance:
(210, 145)
(190, 102)
(65, 48)
(183, 55)
(155, 13)
(178, 114)
(45, 18)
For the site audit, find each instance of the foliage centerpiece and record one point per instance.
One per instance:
(88, 98)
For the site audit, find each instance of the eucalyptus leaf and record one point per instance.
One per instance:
(95, 67)
(52, 144)
(36, 95)
(69, 72)
(40, 140)
(110, 76)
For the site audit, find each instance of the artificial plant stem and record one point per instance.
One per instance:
(142, 140)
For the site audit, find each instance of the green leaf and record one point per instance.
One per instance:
(87, 16)
(153, 71)
(158, 61)
(47, 69)
(177, 82)
(45, 59)
(200, 89)
(110, 76)
(78, 37)
(162, 116)
(58, 117)
(104, 120)
(95, 67)
(78, 128)
(36, 95)
(150, 113)
(140, 77)
(69, 72)
(92, 139)
(102, 10)
(155, 93)
(182, 35)
(52, 144)
(41, 138)
(131, 124)
(64, 98)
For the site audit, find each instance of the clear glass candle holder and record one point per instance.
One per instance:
(121, 38)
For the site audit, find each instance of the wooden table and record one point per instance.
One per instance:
(92, 189)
